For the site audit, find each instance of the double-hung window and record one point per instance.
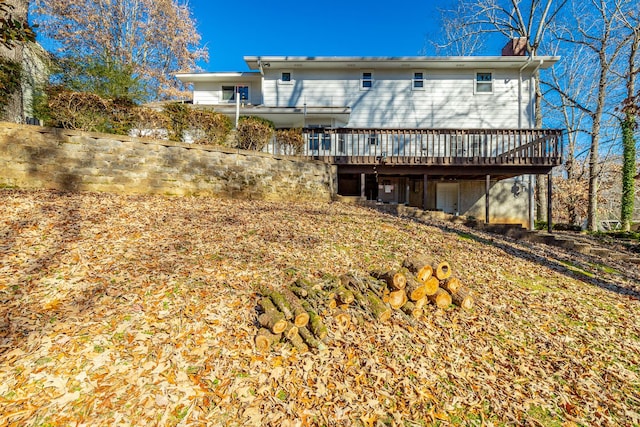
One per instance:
(366, 82)
(484, 82)
(418, 80)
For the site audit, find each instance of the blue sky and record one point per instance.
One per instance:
(233, 29)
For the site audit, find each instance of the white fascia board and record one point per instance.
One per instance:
(209, 77)
(434, 62)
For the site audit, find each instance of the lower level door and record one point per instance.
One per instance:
(447, 195)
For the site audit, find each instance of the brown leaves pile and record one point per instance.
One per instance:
(140, 310)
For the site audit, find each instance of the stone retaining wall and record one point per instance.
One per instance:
(38, 157)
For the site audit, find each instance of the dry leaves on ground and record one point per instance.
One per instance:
(139, 310)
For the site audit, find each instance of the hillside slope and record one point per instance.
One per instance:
(137, 310)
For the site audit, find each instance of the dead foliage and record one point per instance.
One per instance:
(139, 310)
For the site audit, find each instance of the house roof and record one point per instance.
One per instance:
(471, 62)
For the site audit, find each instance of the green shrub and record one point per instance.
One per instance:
(208, 127)
(254, 133)
(291, 140)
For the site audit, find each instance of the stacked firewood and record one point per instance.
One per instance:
(296, 312)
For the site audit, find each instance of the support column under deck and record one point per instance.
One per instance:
(363, 180)
(425, 181)
(549, 204)
(487, 188)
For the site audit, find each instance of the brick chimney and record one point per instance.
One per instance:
(515, 47)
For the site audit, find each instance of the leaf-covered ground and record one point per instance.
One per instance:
(121, 310)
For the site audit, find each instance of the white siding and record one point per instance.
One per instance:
(210, 93)
(447, 101)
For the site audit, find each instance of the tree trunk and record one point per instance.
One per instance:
(14, 109)
(311, 340)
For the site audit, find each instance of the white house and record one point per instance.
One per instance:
(448, 133)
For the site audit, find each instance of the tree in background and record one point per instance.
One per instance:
(595, 30)
(464, 26)
(152, 38)
(14, 33)
(630, 108)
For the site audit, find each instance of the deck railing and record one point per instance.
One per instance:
(425, 146)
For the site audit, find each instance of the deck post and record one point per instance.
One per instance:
(425, 181)
(532, 213)
(363, 180)
(487, 187)
(549, 204)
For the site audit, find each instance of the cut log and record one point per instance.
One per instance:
(272, 318)
(410, 309)
(311, 341)
(265, 339)
(441, 298)
(280, 301)
(431, 285)
(292, 331)
(452, 284)
(299, 291)
(315, 322)
(421, 302)
(298, 343)
(380, 311)
(300, 315)
(419, 266)
(443, 271)
(394, 279)
(462, 298)
(415, 289)
(345, 296)
(397, 299)
(342, 319)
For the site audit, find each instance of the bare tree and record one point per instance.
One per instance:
(594, 26)
(156, 38)
(473, 19)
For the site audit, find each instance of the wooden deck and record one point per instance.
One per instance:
(531, 149)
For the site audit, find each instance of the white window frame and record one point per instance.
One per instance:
(286, 82)
(370, 80)
(233, 97)
(414, 80)
(476, 82)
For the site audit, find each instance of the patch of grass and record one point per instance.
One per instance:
(282, 395)
(544, 416)
(606, 268)
(576, 269)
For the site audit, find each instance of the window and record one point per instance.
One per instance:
(367, 80)
(418, 80)
(319, 141)
(229, 93)
(484, 82)
(286, 77)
